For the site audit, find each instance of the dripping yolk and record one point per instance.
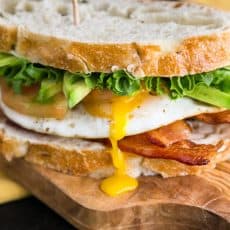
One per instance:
(117, 109)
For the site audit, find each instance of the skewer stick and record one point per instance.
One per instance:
(76, 15)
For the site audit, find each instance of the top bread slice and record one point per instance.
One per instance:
(147, 38)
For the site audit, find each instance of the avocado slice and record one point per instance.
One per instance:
(75, 89)
(48, 89)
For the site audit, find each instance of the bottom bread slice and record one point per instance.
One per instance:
(76, 156)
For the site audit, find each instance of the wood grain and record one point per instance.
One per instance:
(189, 202)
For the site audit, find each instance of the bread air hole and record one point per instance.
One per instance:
(159, 18)
(103, 7)
(10, 7)
(28, 7)
(62, 10)
(152, 10)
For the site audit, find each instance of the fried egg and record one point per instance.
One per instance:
(152, 112)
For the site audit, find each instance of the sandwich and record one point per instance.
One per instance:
(135, 88)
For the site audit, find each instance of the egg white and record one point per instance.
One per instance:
(154, 112)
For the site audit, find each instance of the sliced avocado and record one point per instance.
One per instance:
(48, 89)
(74, 90)
(209, 95)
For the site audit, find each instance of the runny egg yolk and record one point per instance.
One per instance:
(120, 109)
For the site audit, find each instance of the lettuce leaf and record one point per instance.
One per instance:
(212, 87)
(156, 85)
(122, 83)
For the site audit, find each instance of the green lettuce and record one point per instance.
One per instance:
(19, 73)
(212, 87)
(122, 83)
(156, 85)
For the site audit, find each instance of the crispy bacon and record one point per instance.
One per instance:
(184, 151)
(215, 118)
(169, 134)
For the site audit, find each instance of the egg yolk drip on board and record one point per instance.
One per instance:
(118, 109)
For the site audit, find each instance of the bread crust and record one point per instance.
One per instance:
(68, 161)
(191, 56)
(8, 38)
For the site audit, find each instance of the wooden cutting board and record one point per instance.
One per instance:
(189, 202)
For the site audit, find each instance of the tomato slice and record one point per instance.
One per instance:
(25, 103)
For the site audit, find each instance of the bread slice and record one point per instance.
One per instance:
(144, 37)
(90, 158)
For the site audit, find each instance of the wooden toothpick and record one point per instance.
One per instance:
(76, 15)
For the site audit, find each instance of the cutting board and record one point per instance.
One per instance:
(191, 202)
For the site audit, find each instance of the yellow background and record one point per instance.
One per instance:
(222, 4)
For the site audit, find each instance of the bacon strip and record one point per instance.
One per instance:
(170, 134)
(185, 151)
(215, 118)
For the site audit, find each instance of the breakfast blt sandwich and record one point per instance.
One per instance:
(127, 88)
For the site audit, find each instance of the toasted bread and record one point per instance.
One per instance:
(172, 39)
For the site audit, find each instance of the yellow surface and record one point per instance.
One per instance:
(120, 182)
(222, 4)
(9, 190)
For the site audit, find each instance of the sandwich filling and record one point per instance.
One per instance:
(144, 116)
